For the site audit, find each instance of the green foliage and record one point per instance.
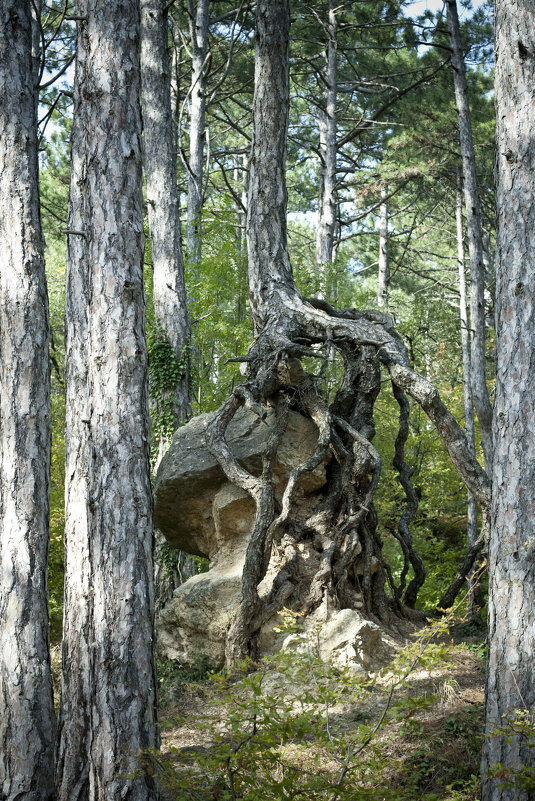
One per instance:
(57, 518)
(172, 568)
(276, 731)
(55, 268)
(480, 649)
(518, 727)
(165, 367)
(54, 184)
(173, 678)
(165, 373)
(219, 312)
(166, 557)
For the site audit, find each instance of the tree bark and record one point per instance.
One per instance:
(327, 201)
(107, 713)
(242, 167)
(199, 19)
(469, 423)
(510, 679)
(384, 274)
(268, 260)
(475, 236)
(27, 720)
(169, 289)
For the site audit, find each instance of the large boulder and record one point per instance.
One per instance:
(196, 508)
(201, 512)
(192, 627)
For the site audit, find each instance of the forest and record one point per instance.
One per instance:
(266, 404)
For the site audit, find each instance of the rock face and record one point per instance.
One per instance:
(193, 625)
(345, 638)
(202, 513)
(195, 507)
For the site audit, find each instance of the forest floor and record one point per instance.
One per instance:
(303, 729)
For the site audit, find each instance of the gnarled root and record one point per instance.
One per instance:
(343, 528)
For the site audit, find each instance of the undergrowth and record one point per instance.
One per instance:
(174, 679)
(296, 726)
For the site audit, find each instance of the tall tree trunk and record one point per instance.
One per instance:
(475, 236)
(352, 570)
(268, 260)
(108, 703)
(269, 272)
(327, 204)
(27, 720)
(469, 423)
(170, 301)
(177, 50)
(169, 288)
(510, 674)
(244, 196)
(384, 275)
(199, 19)
(241, 168)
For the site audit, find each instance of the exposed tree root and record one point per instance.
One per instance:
(352, 572)
(403, 534)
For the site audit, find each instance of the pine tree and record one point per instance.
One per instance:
(107, 714)
(510, 685)
(27, 720)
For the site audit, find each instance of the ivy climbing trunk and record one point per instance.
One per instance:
(108, 703)
(510, 678)
(27, 720)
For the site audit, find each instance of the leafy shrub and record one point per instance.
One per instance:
(297, 726)
(520, 726)
(173, 678)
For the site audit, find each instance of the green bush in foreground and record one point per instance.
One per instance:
(296, 726)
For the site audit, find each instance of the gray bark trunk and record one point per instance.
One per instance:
(176, 73)
(510, 675)
(107, 713)
(327, 202)
(384, 276)
(244, 196)
(268, 260)
(475, 236)
(27, 720)
(469, 424)
(241, 207)
(199, 19)
(269, 272)
(169, 289)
